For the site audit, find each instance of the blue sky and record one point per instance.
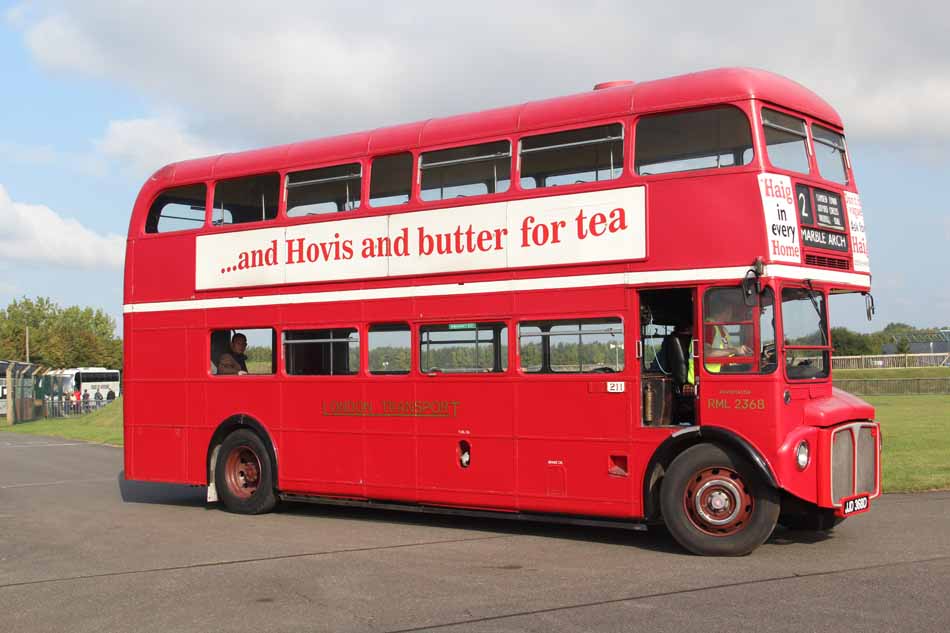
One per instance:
(97, 95)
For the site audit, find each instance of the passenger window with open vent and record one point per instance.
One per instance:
(576, 156)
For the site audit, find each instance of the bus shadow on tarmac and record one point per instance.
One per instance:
(656, 539)
(160, 493)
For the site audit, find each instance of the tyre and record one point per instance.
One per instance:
(244, 474)
(714, 503)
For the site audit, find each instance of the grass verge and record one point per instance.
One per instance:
(916, 433)
(916, 437)
(103, 426)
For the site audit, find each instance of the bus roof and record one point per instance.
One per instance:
(684, 91)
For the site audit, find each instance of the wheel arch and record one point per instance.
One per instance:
(228, 426)
(678, 442)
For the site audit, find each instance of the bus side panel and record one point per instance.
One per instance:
(687, 226)
(573, 450)
(390, 439)
(154, 278)
(321, 442)
(157, 408)
(476, 413)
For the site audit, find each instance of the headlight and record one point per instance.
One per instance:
(801, 455)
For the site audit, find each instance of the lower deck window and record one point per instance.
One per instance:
(575, 346)
(243, 352)
(464, 348)
(390, 348)
(330, 352)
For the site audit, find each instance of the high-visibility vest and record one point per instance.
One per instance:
(720, 340)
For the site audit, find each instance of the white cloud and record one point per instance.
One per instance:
(144, 145)
(36, 234)
(247, 73)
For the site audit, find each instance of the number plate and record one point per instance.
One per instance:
(854, 505)
(616, 387)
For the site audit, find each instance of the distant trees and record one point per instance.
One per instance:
(848, 343)
(59, 337)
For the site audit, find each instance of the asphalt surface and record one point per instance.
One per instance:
(83, 550)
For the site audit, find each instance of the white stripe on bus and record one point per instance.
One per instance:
(505, 285)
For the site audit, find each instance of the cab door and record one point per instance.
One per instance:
(736, 362)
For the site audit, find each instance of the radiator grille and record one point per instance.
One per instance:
(826, 262)
(865, 464)
(853, 462)
(842, 465)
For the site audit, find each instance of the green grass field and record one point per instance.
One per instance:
(103, 426)
(916, 432)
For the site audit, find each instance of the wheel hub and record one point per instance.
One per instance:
(717, 502)
(242, 471)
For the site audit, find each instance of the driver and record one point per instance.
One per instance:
(721, 311)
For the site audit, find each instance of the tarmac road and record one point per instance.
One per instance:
(83, 550)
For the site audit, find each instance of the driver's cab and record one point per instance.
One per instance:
(718, 361)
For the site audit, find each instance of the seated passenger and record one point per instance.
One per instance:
(234, 362)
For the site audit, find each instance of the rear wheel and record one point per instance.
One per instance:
(244, 474)
(715, 504)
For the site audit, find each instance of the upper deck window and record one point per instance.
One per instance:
(247, 199)
(391, 180)
(466, 171)
(326, 190)
(684, 141)
(830, 154)
(576, 156)
(786, 140)
(177, 209)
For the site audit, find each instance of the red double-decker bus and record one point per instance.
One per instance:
(610, 307)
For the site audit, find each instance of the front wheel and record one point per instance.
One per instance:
(244, 474)
(715, 504)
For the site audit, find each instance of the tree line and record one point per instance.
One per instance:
(60, 337)
(849, 343)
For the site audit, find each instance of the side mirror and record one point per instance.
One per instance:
(869, 305)
(750, 288)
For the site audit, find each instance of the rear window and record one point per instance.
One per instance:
(685, 141)
(248, 199)
(573, 157)
(177, 209)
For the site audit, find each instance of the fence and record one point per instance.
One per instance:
(57, 408)
(890, 361)
(894, 386)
